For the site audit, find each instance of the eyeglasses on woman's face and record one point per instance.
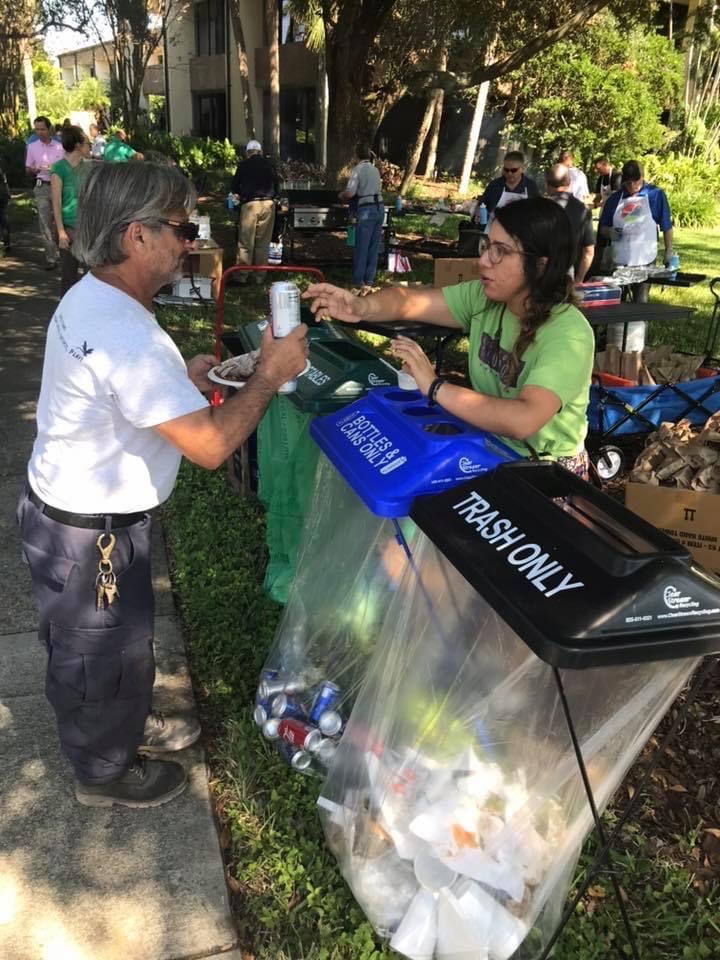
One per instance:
(497, 251)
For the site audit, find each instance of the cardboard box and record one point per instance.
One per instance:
(456, 270)
(691, 518)
(207, 261)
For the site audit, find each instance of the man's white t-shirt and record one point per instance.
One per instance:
(578, 183)
(110, 374)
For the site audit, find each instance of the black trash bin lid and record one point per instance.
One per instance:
(583, 581)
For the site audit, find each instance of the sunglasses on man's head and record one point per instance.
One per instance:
(511, 169)
(184, 229)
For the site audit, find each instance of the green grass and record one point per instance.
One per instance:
(699, 253)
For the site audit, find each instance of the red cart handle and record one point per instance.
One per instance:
(261, 268)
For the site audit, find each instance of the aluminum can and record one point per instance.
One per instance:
(325, 751)
(330, 723)
(327, 696)
(285, 706)
(267, 674)
(268, 688)
(285, 316)
(260, 715)
(284, 308)
(271, 728)
(299, 734)
(297, 758)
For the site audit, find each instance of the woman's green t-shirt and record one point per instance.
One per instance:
(559, 359)
(70, 177)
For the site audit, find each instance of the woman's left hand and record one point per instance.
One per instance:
(414, 362)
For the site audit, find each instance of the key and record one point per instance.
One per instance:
(99, 593)
(111, 591)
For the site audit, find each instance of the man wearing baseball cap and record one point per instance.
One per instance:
(254, 185)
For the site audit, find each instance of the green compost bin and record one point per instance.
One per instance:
(341, 370)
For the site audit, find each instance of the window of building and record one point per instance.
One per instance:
(297, 122)
(210, 120)
(209, 28)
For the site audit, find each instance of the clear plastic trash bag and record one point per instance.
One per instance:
(349, 565)
(454, 803)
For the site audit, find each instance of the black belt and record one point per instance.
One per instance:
(88, 521)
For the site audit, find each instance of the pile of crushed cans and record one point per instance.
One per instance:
(304, 727)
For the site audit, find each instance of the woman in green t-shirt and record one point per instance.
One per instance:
(531, 350)
(65, 184)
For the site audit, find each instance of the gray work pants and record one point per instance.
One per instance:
(46, 221)
(101, 666)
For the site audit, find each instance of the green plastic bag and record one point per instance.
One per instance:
(350, 239)
(287, 459)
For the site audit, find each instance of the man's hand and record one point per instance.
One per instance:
(329, 302)
(197, 369)
(282, 359)
(63, 240)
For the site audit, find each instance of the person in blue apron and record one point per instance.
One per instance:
(364, 193)
(631, 218)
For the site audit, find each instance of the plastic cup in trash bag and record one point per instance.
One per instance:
(417, 934)
(431, 874)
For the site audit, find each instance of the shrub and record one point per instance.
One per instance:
(692, 187)
(195, 155)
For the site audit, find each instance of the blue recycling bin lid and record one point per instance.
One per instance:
(391, 447)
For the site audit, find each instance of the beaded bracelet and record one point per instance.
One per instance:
(432, 392)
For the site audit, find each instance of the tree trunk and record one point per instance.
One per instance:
(29, 86)
(354, 111)
(244, 72)
(272, 134)
(431, 160)
(416, 149)
(473, 137)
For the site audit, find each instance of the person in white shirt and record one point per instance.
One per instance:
(578, 181)
(364, 192)
(97, 141)
(118, 408)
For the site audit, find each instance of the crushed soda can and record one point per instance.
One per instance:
(295, 756)
(329, 723)
(325, 751)
(260, 714)
(299, 734)
(271, 729)
(326, 698)
(269, 688)
(285, 706)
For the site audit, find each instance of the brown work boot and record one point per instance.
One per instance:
(167, 734)
(147, 783)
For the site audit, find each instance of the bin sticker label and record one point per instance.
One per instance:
(316, 376)
(376, 381)
(371, 443)
(529, 558)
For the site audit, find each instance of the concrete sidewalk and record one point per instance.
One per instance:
(78, 883)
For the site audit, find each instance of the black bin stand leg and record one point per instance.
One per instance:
(600, 831)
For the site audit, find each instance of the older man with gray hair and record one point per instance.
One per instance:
(118, 408)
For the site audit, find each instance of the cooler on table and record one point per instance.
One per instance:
(341, 370)
(379, 454)
(534, 606)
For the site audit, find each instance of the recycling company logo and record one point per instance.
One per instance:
(674, 600)
(467, 466)
(375, 381)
